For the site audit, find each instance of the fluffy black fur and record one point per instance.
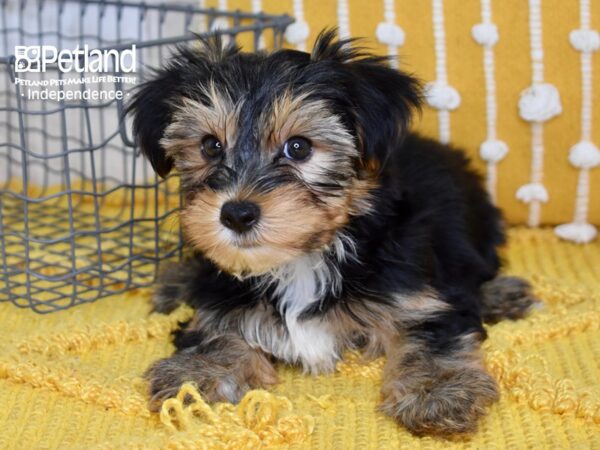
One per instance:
(431, 225)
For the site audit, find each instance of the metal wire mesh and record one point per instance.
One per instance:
(82, 215)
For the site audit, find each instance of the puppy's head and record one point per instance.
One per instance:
(276, 152)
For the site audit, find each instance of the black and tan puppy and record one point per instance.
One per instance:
(319, 225)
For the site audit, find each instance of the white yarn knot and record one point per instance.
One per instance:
(585, 40)
(297, 32)
(539, 103)
(485, 34)
(390, 34)
(582, 233)
(584, 155)
(442, 96)
(493, 150)
(532, 192)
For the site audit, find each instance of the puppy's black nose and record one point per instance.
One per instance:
(239, 216)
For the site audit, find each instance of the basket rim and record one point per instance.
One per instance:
(262, 21)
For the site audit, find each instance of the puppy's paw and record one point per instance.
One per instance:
(223, 375)
(215, 383)
(446, 403)
(506, 297)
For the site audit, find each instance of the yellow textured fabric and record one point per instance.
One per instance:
(513, 73)
(71, 380)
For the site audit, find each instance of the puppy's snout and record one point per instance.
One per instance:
(240, 216)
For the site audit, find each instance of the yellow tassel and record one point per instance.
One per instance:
(260, 418)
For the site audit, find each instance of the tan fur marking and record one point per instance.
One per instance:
(360, 196)
(417, 308)
(299, 116)
(192, 121)
(291, 217)
(372, 166)
(289, 223)
(312, 119)
(380, 323)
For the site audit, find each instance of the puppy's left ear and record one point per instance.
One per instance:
(151, 108)
(383, 99)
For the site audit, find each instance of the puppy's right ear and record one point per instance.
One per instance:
(152, 108)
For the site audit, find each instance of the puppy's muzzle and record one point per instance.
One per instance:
(240, 216)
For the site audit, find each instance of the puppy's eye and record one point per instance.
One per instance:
(211, 147)
(297, 148)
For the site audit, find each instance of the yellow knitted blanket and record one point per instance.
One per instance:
(71, 380)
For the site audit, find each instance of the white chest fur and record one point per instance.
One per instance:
(311, 342)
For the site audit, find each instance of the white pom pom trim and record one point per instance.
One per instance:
(540, 102)
(442, 96)
(532, 192)
(493, 150)
(584, 155)
(485, 34)
(390, 34)
(297, 32)
(581, 233)
(585, 40)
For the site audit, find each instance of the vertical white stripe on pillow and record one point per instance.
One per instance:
(221, 22)
(538, 103)
(389, 33)
(203, 19)
(257, 8)
(298, 32)
(492, 150)
(343, 13)
(439, 94)
(585, 154)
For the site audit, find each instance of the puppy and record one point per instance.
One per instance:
(320, 224)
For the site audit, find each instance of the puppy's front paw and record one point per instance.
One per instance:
(223, 369)
(215, 383)
(446, 403)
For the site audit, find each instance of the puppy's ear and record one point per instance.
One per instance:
(383, 99)
(153, 104)
(151, 108)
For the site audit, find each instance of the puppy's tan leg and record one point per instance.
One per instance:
(432, 392)
(223, 366)
(434, 380)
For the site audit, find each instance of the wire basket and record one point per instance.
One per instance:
(82, 214)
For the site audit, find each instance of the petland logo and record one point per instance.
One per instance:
(36, 58)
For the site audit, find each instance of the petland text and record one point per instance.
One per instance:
(37, 58)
